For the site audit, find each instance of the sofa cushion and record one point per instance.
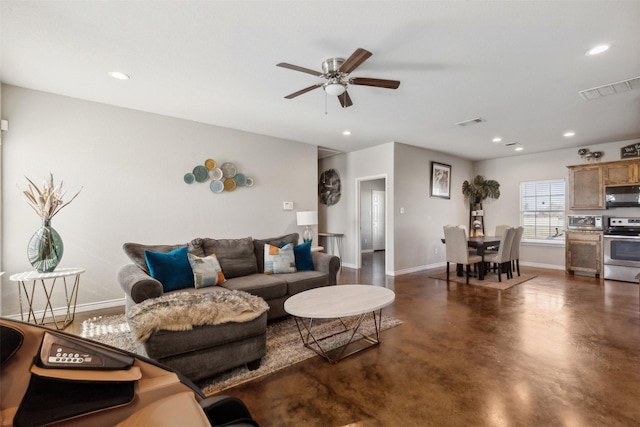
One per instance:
(279, 260)
(303, 257)
(292, 238)
(206, 270)
(172, 269)
(302, 280)
(236, 256)
(135, 252)
(265, 286)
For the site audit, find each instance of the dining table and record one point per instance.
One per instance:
(480, 244)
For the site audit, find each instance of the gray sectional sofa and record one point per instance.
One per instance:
(211, 349)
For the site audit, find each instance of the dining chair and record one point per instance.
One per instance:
(457, 249)
(500, 229)
(503, 258)
(515, 249)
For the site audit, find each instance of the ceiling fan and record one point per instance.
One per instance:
(336, 71)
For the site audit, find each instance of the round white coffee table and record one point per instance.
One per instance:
(338, 302)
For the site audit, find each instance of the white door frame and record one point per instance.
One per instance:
(358, 242)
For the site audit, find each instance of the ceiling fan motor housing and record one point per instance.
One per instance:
(331, 67)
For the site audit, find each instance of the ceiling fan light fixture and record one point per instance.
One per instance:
(335, 88)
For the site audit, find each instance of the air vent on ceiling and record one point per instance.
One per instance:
(471, 122)
(610, 89)
(510, 144)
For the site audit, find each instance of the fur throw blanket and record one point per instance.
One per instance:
(180, 311)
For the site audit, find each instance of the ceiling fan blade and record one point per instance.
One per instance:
(297, 68)
(354, 61)
(345, 100)
(365, 81)
(305, 90)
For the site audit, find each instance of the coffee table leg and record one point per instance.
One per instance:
(318, 344)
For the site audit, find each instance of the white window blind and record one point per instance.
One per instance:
(542, 211)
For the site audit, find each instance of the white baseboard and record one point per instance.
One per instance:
(547, 266)
(80, 308)
(416, 269)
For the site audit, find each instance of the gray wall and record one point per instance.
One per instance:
(131, 165)
(413, 238)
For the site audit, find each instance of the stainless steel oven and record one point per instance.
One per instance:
(622, 249)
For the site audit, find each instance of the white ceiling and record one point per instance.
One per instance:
(519, 65)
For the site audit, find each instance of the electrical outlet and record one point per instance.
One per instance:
(287, 206)
(435, 250)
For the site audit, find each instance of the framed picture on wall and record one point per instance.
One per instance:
(440, 180)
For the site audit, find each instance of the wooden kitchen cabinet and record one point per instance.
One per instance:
(621, 173)
(586, 186)
(583, 252)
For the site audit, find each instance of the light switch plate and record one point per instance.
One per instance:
(287, 206)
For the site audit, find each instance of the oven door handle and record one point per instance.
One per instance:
(612, 237)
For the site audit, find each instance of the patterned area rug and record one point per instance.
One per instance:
(284, 345)
(490, 280)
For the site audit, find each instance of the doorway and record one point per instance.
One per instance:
(372, 218)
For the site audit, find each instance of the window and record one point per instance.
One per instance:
(542, 209)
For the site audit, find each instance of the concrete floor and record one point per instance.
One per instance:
(557, 350)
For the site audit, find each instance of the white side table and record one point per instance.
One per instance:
(334, 239)
(27, 283)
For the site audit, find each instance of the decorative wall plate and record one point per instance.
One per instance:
(229, 170)
(249, 182)
(201, 173)
(229, 185)
(216, 186)
(240, 179)
(215, 174)
(189, 178)
(210, 164)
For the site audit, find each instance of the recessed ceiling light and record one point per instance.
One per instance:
(519, 148)
(569, 134)
(598, 49)
(497, 139)
(119, 75)
(346, 132)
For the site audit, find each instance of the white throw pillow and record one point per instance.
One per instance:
(206, 270)
(279, 260)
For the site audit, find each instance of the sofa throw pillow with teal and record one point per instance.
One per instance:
(206, 270)
(279, 260)
(302, 254)
(172, 269)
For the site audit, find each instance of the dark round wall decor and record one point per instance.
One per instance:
(329, 187)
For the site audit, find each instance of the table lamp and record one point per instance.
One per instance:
(307, 218)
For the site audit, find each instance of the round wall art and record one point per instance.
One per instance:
(329, 187)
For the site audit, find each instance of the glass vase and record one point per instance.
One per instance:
(45, 248)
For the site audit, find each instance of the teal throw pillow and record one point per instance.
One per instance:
(172, 269)
(302, 253)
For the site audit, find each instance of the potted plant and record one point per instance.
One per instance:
(476, 191)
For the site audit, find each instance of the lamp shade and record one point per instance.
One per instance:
(307, 217)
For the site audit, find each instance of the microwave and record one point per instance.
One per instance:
(623, 196)
(584, 222)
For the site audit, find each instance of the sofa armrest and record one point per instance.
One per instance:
(137, 284)
(326, 263)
